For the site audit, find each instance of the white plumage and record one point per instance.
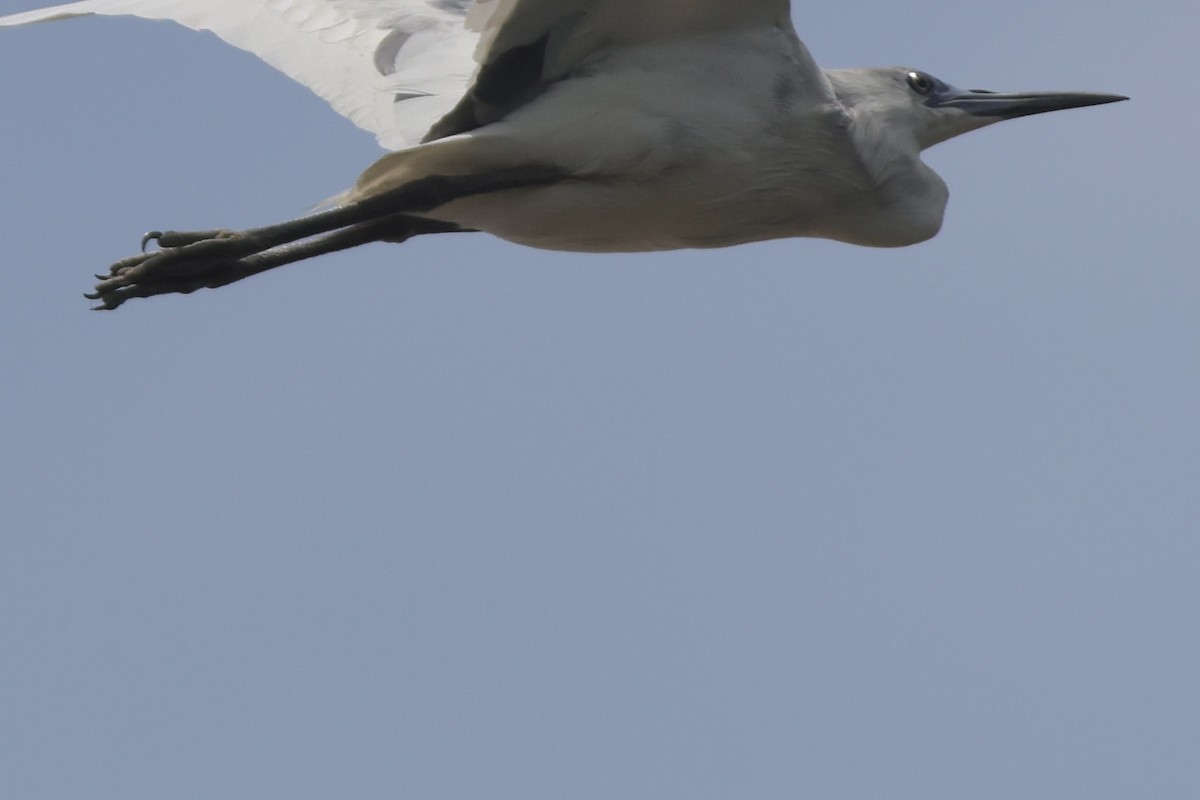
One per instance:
(601, 125)
(357, 55)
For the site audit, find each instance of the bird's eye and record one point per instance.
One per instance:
(920, 83)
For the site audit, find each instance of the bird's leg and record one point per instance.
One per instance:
(399, 228)
(203, 259)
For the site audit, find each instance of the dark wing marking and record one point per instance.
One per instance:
(504, 84)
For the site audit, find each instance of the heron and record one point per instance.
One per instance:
(578, 125)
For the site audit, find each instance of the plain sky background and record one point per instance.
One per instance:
(459, 519)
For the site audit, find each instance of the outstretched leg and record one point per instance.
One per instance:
(211, 274)
(208, 259)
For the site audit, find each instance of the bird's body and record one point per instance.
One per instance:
(744, 162)
(587, 125)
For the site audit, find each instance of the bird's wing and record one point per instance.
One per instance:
(577, 28)
(393, 67)
(397, 67)
(526, 46)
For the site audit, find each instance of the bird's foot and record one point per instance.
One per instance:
(184, 262)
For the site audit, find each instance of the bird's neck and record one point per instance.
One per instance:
(910, 196)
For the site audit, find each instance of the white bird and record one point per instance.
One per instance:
(585, 125)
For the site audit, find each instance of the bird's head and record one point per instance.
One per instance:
(912, 107)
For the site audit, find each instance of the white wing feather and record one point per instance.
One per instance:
(396, 67)
(393, 67)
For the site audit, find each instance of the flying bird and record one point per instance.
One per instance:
(579, 125)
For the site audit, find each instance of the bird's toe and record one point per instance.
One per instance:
(168, 239)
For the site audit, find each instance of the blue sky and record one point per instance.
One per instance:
(460, 519)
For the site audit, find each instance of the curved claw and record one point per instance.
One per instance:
(106, 303)
(181, 263)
